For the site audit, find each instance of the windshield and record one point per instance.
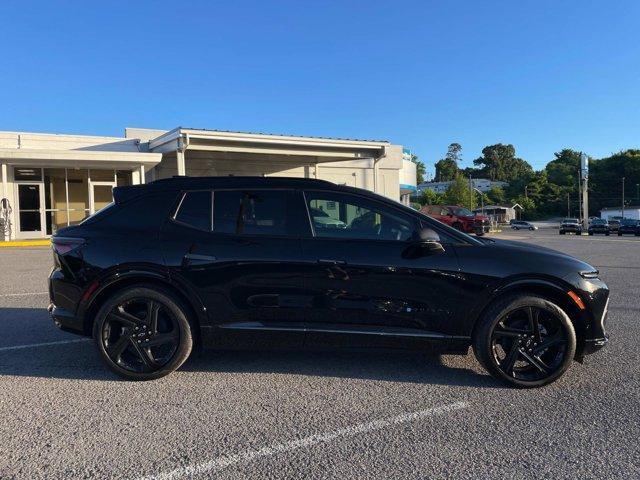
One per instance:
(599, 221)
(462, 212)
(570, 220)
(628, 221)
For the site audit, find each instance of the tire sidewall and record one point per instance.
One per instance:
(169, 301)
(482, 337)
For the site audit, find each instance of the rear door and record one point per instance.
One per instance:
(241, 250)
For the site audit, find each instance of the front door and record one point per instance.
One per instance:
(363, 281)
(244, 259)
(29, 207)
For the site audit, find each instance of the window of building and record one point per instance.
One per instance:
(195, 210)
(67, 195)
(351, 216)
(251, 212)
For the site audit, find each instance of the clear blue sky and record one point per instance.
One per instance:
(542, 75)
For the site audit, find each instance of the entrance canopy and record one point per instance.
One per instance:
(189, 151)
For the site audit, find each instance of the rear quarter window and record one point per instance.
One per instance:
(147, 212)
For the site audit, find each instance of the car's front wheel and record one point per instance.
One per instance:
(525, 340)
(143, 333)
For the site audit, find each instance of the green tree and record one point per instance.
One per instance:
(499, 162)
(459, 193)
(447, 167)
(496, 195)
(563, 170)
(528, 207)
(429, 197)
(420, 169)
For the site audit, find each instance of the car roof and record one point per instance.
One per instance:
(122, 194)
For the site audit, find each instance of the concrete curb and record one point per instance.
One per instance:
(26, 243)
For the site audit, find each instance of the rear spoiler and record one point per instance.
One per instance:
(124, 194)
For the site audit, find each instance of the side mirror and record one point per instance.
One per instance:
(425, 241)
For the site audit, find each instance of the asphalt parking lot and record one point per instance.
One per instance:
(314, 415)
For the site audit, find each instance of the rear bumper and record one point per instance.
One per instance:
(65, 320)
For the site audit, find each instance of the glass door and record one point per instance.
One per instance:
(29, 210)
(101, 195)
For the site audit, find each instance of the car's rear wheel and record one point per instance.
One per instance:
(525, 340)
(143, 333)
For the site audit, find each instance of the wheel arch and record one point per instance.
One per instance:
(553, 291)
(119, 281)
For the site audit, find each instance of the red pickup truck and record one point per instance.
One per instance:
(458, 217)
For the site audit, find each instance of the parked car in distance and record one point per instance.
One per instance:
(459, 218)
(614, 224)
(570, 225)
(629, 226)
(251, 262)
(522, 225)
(599, 225)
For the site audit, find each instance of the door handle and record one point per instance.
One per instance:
(197, 259)
(325, 261)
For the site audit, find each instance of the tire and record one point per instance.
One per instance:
(590, 233)
(531, 229)
(492, 337)
(619, 234)
(606, 234)
(148, 351)
(458, 226)
(561, 233)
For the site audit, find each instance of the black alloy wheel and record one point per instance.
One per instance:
(143, 333)
(526, 341)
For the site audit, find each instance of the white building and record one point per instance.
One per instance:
(49, 181)
(482, 184)
(632, 212)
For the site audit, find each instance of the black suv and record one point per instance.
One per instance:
(236, 262)
(599, 225)
(629, 226)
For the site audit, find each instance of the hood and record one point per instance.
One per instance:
(477, 217)
(521, 248)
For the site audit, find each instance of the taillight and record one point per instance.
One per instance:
(63, 245)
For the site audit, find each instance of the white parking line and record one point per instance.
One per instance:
(251, 454)
(22, 294)
(44, 344)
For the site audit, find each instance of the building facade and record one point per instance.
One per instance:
(632, 212)
(49, 181)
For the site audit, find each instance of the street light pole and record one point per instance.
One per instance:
(568, 205)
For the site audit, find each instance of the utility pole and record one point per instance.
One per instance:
(568, 205)
(579, 197)
(623, 197)
(584, 160)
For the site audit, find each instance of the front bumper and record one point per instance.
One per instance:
(65, 320)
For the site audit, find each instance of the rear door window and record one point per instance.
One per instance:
(195, 210)
(252, 212)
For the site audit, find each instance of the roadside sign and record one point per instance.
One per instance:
(584, 166)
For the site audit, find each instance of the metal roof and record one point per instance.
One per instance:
(283, 135)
